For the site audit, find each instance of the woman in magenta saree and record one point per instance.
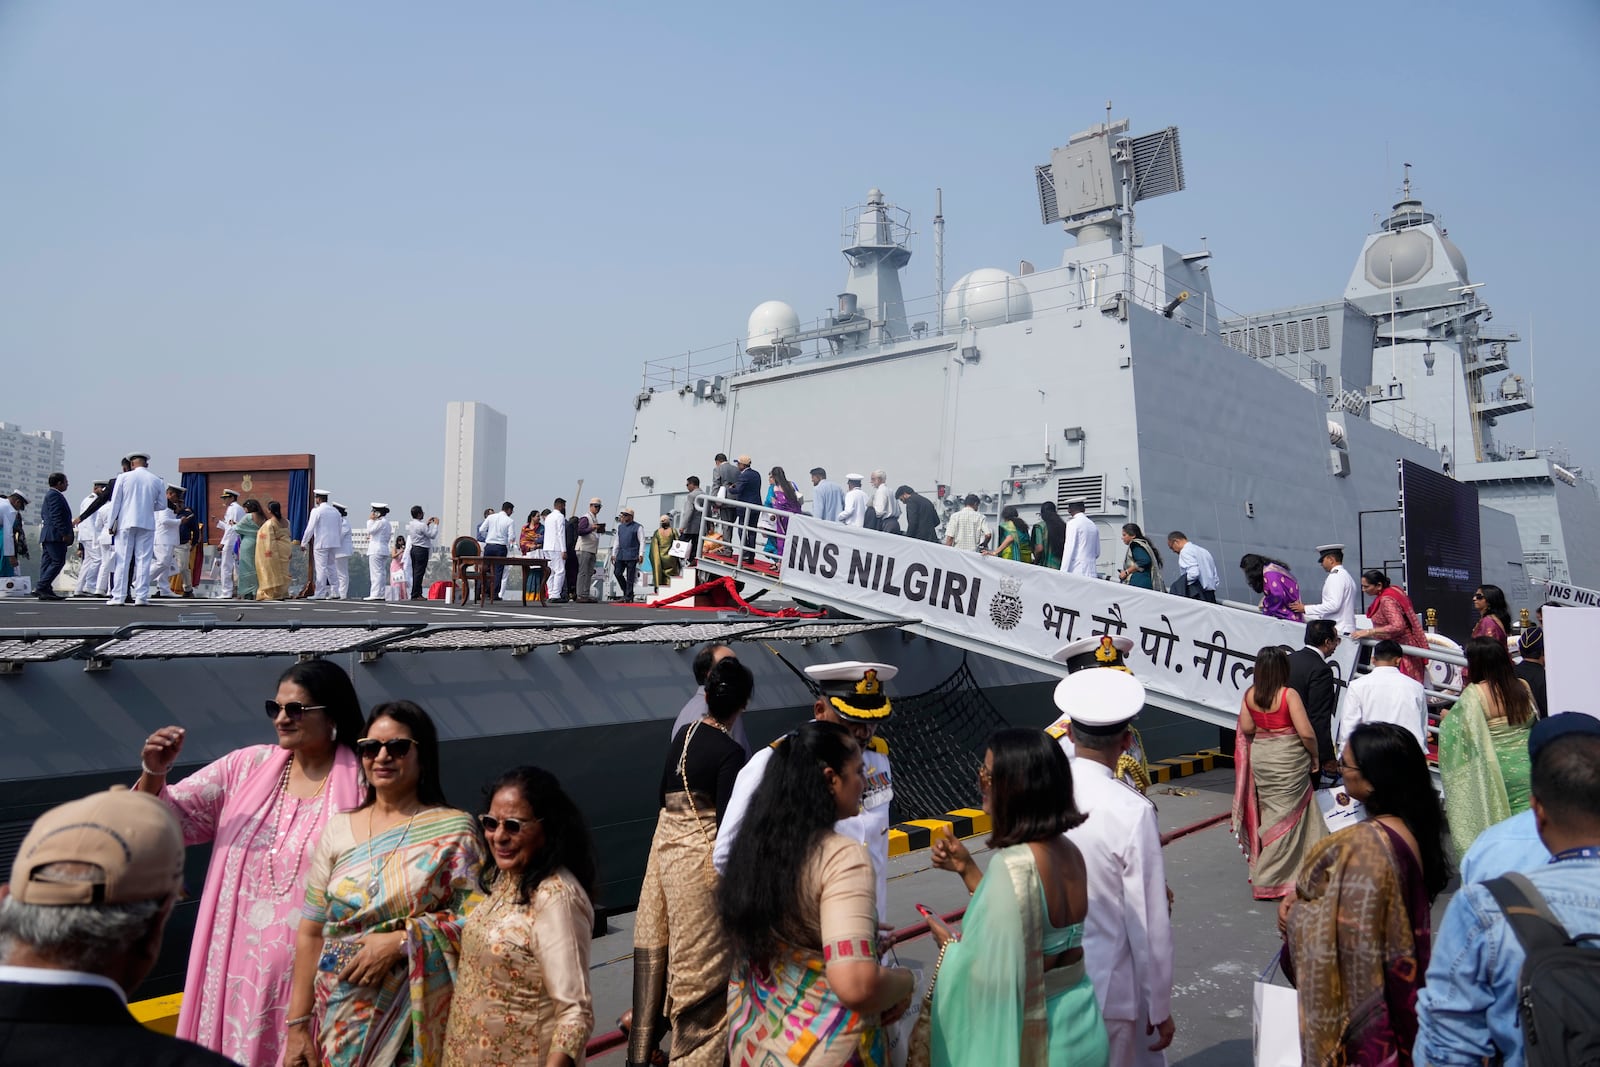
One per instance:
(785, 497)
(263, 809)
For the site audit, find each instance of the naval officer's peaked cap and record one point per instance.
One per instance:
(1100, 702)
(1323, 550)
(1101, 650)
(855, 688)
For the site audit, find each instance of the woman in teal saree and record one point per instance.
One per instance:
(1013, 988)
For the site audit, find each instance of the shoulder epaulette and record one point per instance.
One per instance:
(879, 745)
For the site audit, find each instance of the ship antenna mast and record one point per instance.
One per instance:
(938, 254)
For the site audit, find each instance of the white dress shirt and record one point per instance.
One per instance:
(1199, 566)
(135, 499)
(1338, 600)
(855, 507)
(52, 976)
(498, 529)
(1127, 936)
(1385, 695)
(871, 827)
(421, 534)
(1082, 551)
(322, 528)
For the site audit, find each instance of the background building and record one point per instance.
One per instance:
(474, 467)
(27, 459)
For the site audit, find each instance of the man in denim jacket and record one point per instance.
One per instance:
(1467, 1012)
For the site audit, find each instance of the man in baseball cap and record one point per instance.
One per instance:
(80, 927)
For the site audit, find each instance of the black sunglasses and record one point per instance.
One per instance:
(294, 709)
(398, 748)
(513, 826)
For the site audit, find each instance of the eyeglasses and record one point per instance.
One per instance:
(398, 748)
(513, 826)
(1477, 596)
(1346, 768)
(294, 709)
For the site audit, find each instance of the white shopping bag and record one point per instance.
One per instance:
(1339, 809)
(899, 1032)
(1275, 1032)
(679, 550)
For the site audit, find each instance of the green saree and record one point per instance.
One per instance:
(1484, 766)
(993, 1001)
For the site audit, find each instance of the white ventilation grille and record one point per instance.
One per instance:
(1090, 488)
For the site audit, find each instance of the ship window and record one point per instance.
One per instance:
(1294, 336)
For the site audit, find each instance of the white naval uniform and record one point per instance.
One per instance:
(108, 552)
(133, 505)
(871, 827)
(1082, 550)
(380, 546)
(228, 548)
(555, 550)
(165, 543)
(1127, 935)
(855, 507)
(322, 530)
(341, 558)
(89, 541)
(1338, 600)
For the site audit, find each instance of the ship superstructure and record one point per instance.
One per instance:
(1115, 377)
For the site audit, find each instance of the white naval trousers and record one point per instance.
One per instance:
(378, 575)
(558, 574)
(162, 567)
(89, 573)
(326, 568)
(341, 577)
(228, 563)
(136, 545)
(1130, 1045)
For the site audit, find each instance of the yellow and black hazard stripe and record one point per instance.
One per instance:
(1166, 770)
(917, 834)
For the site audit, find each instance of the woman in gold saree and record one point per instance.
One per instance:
(1358, 928)
(390, 883)
(681, 952)
(664, 565)
(522, 989)
(1483, 744)
(272, 555)
(1013, 988)
(1275, 816)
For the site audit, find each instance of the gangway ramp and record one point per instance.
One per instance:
(1195, 658)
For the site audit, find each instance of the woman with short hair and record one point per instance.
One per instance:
(799, 903)
(1483, 744)
(391, 882)
(522, 985)
(262, 809)
(1358, 928)
(1275, 816)
(1013, 988)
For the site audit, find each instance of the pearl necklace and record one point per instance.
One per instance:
(276, 820)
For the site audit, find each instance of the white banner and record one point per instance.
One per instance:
(1576, 595)
(1572, 672)
(1187, 648)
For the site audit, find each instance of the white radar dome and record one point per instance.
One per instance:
(987, 297)
(768, 322)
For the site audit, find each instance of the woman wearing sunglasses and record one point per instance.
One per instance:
(389, 885)
(522, 987)
(262, 808)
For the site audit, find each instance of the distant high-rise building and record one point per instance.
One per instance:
(27, 459)
(474, 466)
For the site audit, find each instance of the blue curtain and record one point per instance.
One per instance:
(195, 496)
(299, 504)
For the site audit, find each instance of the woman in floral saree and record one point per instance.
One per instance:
(1358, 927)
(1483, 744)
(390, 884)
(1013, 989)
(1394, 618)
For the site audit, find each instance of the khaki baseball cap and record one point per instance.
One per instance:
(131, 837)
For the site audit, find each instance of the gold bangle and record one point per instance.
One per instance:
(297, 1021)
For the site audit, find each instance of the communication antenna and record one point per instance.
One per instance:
(938, 253)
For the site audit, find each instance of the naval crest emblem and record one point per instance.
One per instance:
(1005, 607)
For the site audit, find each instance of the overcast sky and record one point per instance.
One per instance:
(301, 226)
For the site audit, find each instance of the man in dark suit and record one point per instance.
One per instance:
(56, 535)
(81, 920)
(1312, 678)
(922, 520)
(747, 490)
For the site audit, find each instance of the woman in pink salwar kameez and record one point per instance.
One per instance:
(262, 808)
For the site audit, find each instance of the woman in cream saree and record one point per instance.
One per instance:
(272, 556)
